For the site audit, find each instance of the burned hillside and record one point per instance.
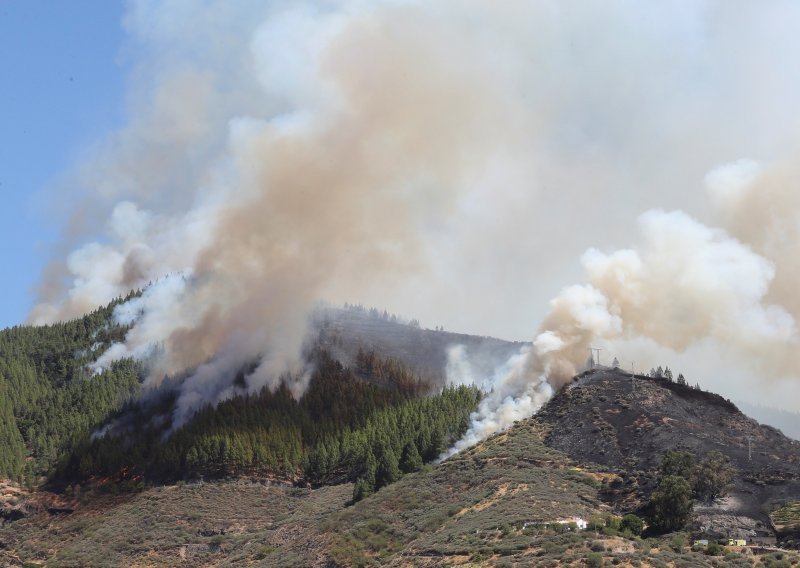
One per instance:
(627, 423)
(343, 332)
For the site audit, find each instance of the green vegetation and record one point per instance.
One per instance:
(788, 516)
(681, 480)
(712, 477)
(491, 505)
(632, 523)
(671, 504)
(374, 421)
(680, 463)
(349, 424)
(49, 399)
(713, 549)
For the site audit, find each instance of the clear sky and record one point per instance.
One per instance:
(61, 89)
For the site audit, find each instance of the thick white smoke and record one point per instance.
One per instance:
(683, 284)
(448, 160)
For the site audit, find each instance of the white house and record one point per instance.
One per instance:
(580, 523)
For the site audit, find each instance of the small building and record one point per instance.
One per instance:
(737, 542)
(701, 542)
(579, 523)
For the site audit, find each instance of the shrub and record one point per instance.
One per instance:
(596, 523)
(613, 522)
(632, 523)
(678, 542)
(713, 549)
(595, 560)
(263, 551)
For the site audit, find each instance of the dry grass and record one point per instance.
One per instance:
(467, 511)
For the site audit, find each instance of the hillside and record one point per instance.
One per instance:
(267, 479)
(51, 403)
(343, 332)
(489, 506)
(785, 421)
(49, 398)
(627, 423)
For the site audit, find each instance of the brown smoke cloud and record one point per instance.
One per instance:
(448, 160)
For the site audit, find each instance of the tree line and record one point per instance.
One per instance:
(370, 421)
(373, 420)
(49, 398)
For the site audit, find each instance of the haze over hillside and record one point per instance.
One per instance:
(786, 422)
(613, 181)
(464, 164)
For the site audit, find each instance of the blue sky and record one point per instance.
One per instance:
(61, 90)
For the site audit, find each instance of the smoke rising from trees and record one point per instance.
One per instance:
(450, 159)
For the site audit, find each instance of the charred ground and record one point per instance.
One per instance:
(626, 423)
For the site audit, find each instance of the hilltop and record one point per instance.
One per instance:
(627, 423)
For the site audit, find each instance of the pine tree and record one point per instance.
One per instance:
(410, 461)
(361, 489)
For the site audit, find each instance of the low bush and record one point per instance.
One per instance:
(594, 560)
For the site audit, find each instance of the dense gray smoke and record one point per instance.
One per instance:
(448, 160)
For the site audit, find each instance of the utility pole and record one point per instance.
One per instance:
(598, 354)
(633, 376)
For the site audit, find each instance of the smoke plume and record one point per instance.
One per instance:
(448, 160)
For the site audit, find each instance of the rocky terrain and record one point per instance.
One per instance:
(626, 423)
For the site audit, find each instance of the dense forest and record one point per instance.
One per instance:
(49, 398)
(369, 422)
(362, 422)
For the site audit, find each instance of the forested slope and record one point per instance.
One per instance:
(371, 422)
(49, 399)
(370, 418)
